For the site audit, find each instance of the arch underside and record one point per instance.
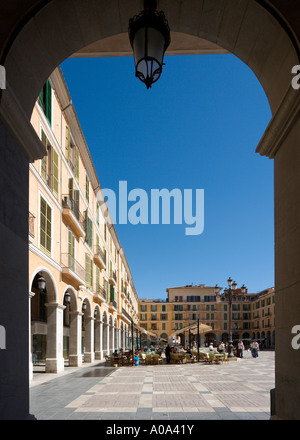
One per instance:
(64, 29)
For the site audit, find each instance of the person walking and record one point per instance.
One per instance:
(168, 353)
(254, 349)
(241, 348)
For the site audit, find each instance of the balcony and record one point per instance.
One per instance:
(73, 216)
(72, 270)
(112, 306)
(100, 295)
(100, 257)
(126, 315)
(113, 278)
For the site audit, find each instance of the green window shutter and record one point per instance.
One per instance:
(49, 102)
(87, 270)
(97, 278)
(112, 293)
(45, 226)
(106, 290)
(90, 233)
(71, 244)
(77, 164)
(87, 188)
(98, 214)
(55, 173)
(71, 250)
(76, 204)
(71, 189)
(44, 164)
(91, 275)
(68, 144)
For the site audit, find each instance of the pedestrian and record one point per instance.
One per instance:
(168, 353)
(254, 349)
(241, 348)
(221, 347)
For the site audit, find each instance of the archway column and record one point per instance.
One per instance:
(31, 295)
(287, 274)
(75, 358)
(98, 340)
(54, 356)
(89, 354)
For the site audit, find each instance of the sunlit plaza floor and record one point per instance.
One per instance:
(236, 390)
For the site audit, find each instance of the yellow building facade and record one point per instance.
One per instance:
(252, 315)
(89, 303)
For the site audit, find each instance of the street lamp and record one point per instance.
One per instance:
(149, 36)
(230, 296)
(41, 283)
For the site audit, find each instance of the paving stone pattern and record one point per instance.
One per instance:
(237, 390)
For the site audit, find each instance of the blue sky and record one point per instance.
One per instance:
(196, 128)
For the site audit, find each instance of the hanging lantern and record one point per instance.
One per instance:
(41, 283)
(149, 36)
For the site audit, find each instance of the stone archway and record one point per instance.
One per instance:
(105, 333)
(46, 313)
(87, 350)
(71, 340)
(97, 333)
(40, 38)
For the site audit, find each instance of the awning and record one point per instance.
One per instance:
(193, 328)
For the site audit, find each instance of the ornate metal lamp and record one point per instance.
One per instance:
(149, 36)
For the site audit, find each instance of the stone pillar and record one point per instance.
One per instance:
(287, 275)
(89, 354)
(75, 358)
(54, 357)
(111, 338)
(31, 295)
(98, 339)
(14, 301)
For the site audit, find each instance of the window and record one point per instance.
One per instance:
(163, 316)
(153, 316)
(71, 250)
(45, 100)
(87, 188)
(55, 182)
(143, 308)
(88, 271)
(45, 226)
(88, 230)
(178, 316)
(163, 308)
(49, 166)
(153, 308)
(98, 214)
(112, 293)
(178, 307)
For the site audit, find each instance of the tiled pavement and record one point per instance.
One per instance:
(238, 390)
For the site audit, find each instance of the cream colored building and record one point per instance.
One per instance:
(90, 300)
(252, 315)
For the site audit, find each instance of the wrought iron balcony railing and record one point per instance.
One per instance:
(68, 261)
(69, 202)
